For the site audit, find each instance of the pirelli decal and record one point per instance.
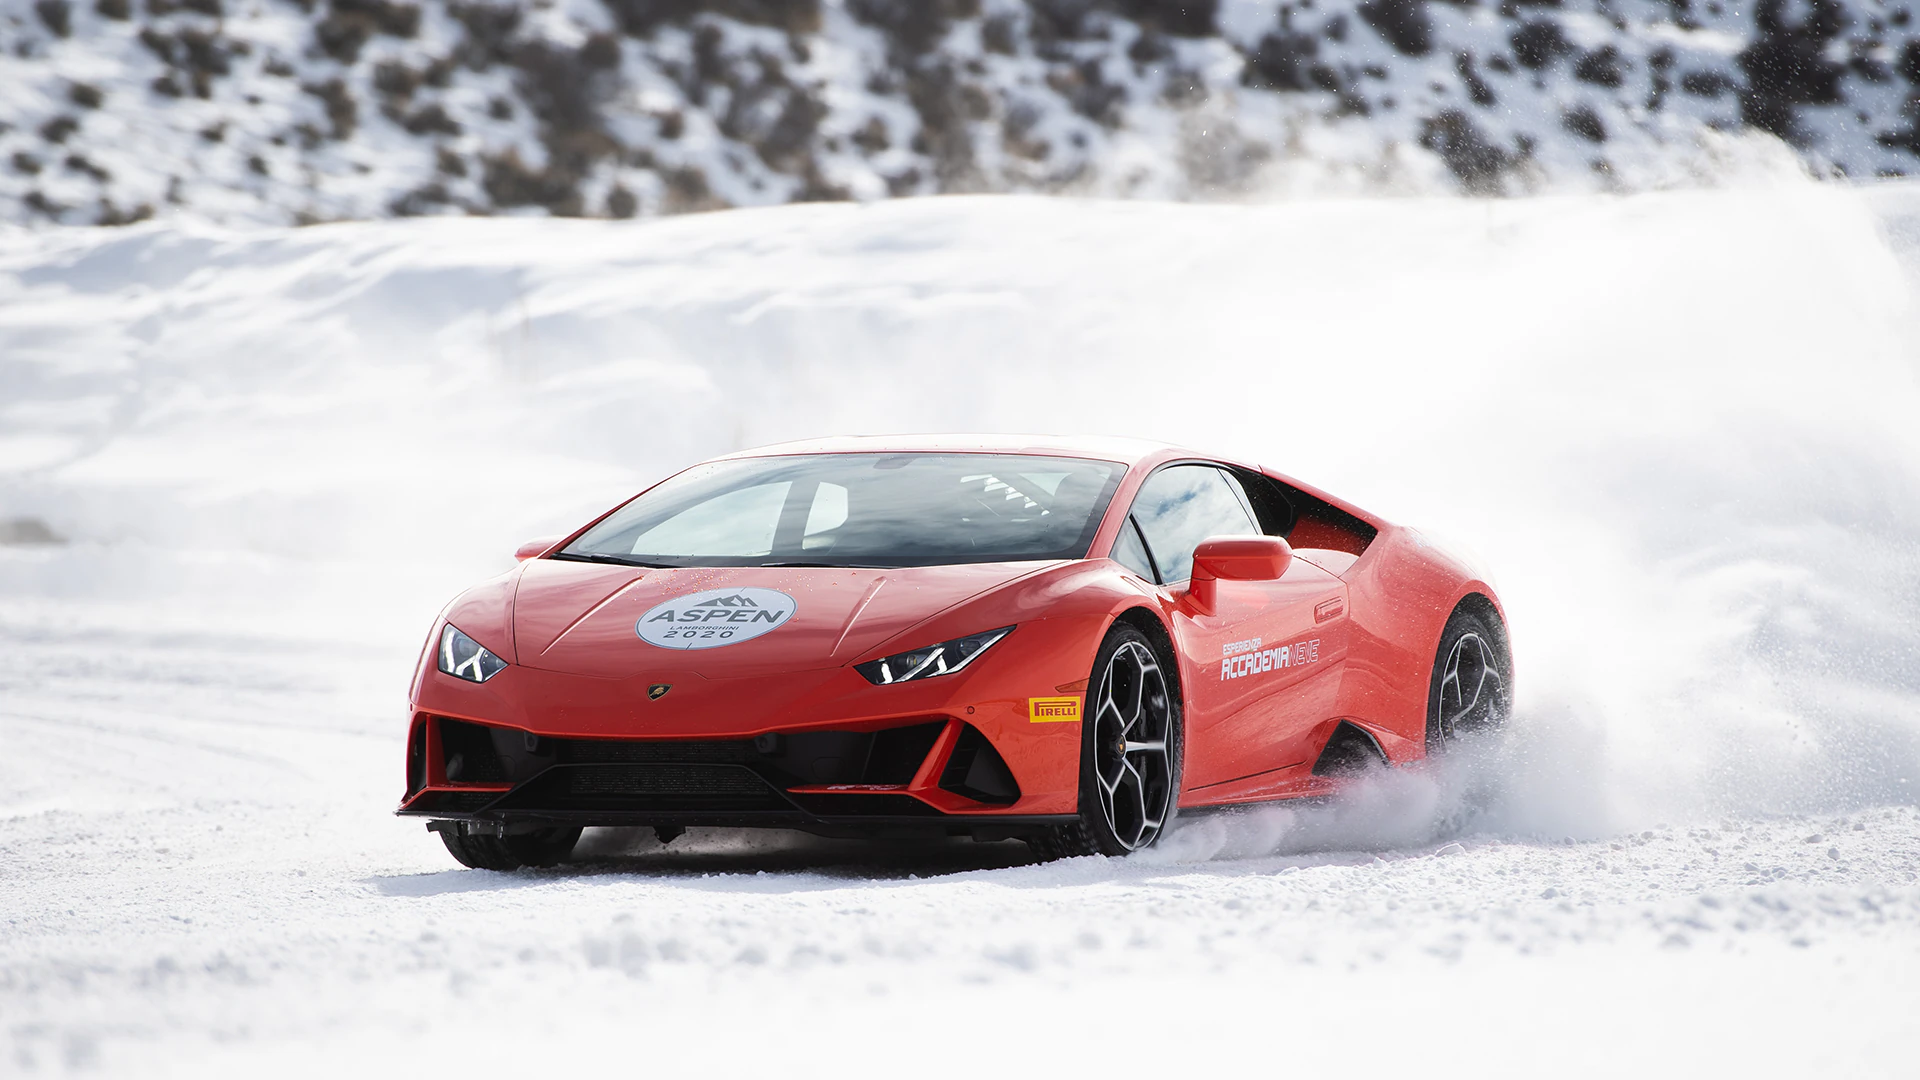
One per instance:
(1053, 710)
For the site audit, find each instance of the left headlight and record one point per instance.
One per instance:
(942, 659)
(464, 658)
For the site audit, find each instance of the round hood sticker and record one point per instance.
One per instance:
(708, 620)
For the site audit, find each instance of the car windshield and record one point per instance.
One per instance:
(860, 510)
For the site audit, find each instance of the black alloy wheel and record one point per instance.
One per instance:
(1472, 679)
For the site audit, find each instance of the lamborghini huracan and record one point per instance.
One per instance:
(1066, 641)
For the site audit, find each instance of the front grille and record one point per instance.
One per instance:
(675, 780)
(725, 788)
(615, 751)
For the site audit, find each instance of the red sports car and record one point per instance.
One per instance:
(1064, 640)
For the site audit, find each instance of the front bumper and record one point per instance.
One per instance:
(820, 749)
(931, 774)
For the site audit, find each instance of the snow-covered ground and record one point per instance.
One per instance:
(1678, 426)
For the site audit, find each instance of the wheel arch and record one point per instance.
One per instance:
(1149, 623)
(1479, 601)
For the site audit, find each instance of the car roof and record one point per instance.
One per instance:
(1103, 447)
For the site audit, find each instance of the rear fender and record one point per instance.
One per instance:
(1401, 594)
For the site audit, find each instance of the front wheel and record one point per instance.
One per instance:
(1130, 744)
(481, 851)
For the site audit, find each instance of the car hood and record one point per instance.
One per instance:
(587, 618)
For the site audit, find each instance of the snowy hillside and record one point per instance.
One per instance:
(240, 471)
(283, 111)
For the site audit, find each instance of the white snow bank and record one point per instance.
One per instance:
(1678, 427)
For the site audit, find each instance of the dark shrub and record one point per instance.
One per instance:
(1786, 65)
(1404, 24)
(56, 15)
(1477, 89)
(1584, 122)
(1601, 67)
(1706, 83)
(642, 17)
(431, 120)
(395, 79)
(1909, 66)
(1539, 43)
(350, 23)
(490, 32)
(113, 215)
(204, 52)
(601, 51)
(1473, 160)
(1280, 62)
(912, 27)
(59, 128)
(509, 182)
(1181, 18)
(342, 114)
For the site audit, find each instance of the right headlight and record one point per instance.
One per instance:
(464, 658)
(942, 659)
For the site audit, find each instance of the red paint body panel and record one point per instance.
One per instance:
(1268, 668)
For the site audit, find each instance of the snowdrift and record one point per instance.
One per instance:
(1679, 427)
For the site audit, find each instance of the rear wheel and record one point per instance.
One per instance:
(1470, 692)
(482, 851)
(1129, 753)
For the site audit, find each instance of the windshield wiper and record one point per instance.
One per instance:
(602, 556)
(833, 565)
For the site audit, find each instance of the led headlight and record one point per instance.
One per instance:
(464, 658)
(942, 659)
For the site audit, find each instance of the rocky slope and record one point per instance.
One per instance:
(309, 110)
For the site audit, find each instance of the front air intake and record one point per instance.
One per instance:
(471, 756)
(977, 771)
(417, 759)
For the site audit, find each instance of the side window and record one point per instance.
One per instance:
(1129, 552)
(1181, 505)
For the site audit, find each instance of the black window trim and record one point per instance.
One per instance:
(1141, 536)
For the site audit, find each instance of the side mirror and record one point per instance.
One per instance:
(533, 549)
(1235, 558)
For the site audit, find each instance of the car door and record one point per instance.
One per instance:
(1260, 669)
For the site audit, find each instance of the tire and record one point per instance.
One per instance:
(543, 847)
(1470, 692)
(1130, 753)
